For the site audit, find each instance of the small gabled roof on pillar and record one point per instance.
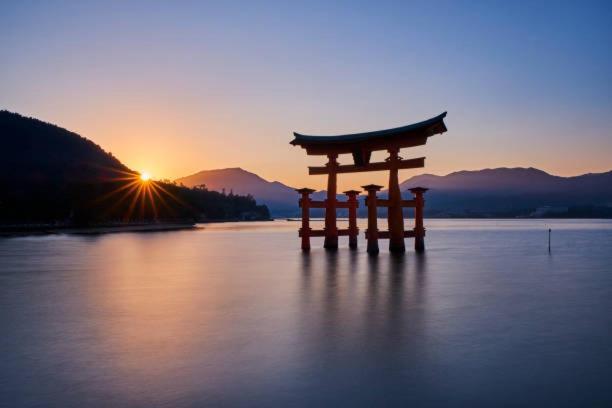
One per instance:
(372, 187)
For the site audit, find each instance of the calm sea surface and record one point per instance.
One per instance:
(235, 315)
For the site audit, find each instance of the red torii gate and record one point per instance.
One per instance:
(361, 146)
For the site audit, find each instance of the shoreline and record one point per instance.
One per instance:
(40, 230)
(17, 231)
(49, 229)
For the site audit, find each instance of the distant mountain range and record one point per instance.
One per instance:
(500, 192)
(516, 192)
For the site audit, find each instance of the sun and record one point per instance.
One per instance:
(144, 176)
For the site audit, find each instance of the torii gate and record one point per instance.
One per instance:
(361, 146)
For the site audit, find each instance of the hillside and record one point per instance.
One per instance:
(515, 192)
(51, 175)
(35, 151)
(280, 199)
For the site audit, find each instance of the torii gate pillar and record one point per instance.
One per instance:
(331, 229)
(419, 229)
(353, 231)
(395, 214)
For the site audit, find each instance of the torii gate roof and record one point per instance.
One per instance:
(415, 134)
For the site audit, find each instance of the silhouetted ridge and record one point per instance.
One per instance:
(49, 174)
(33, 150)
(509, 192)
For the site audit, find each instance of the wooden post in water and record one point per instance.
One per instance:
(419, 229)
(395, 216)
(352, 215)
(549, 231)
(372, 231)
(305, 205)
(331, 230)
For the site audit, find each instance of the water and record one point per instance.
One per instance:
(235, 315)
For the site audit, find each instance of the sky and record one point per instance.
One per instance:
(173, 88)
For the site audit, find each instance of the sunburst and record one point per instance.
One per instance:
(142, 192)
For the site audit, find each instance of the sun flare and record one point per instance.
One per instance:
(144, 176)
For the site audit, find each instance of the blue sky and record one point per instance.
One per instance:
(178, 87)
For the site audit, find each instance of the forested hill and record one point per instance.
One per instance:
(49, 174)
(35, 151)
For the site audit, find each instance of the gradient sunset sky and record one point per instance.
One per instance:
(177, 87)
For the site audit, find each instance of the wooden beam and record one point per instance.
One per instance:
(321, 233)
(408, 203)
(346, 232)
(379, 166)
(323, 149)
(322, 204)
(387, 234)
(383, 202)
(314, 233)
(317, 204)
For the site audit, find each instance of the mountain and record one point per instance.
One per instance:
(500, 192)
(515, 192)
(280, 199)
(51, 175)
(499, 179)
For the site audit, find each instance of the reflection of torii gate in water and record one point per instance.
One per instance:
(361, 146)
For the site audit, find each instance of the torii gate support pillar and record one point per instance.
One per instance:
(395, 215)
(305, 231)
(353, 231)
(331, 229)
(372, 232)
(419, 229)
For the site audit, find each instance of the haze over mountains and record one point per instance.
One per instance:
(502, 192)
